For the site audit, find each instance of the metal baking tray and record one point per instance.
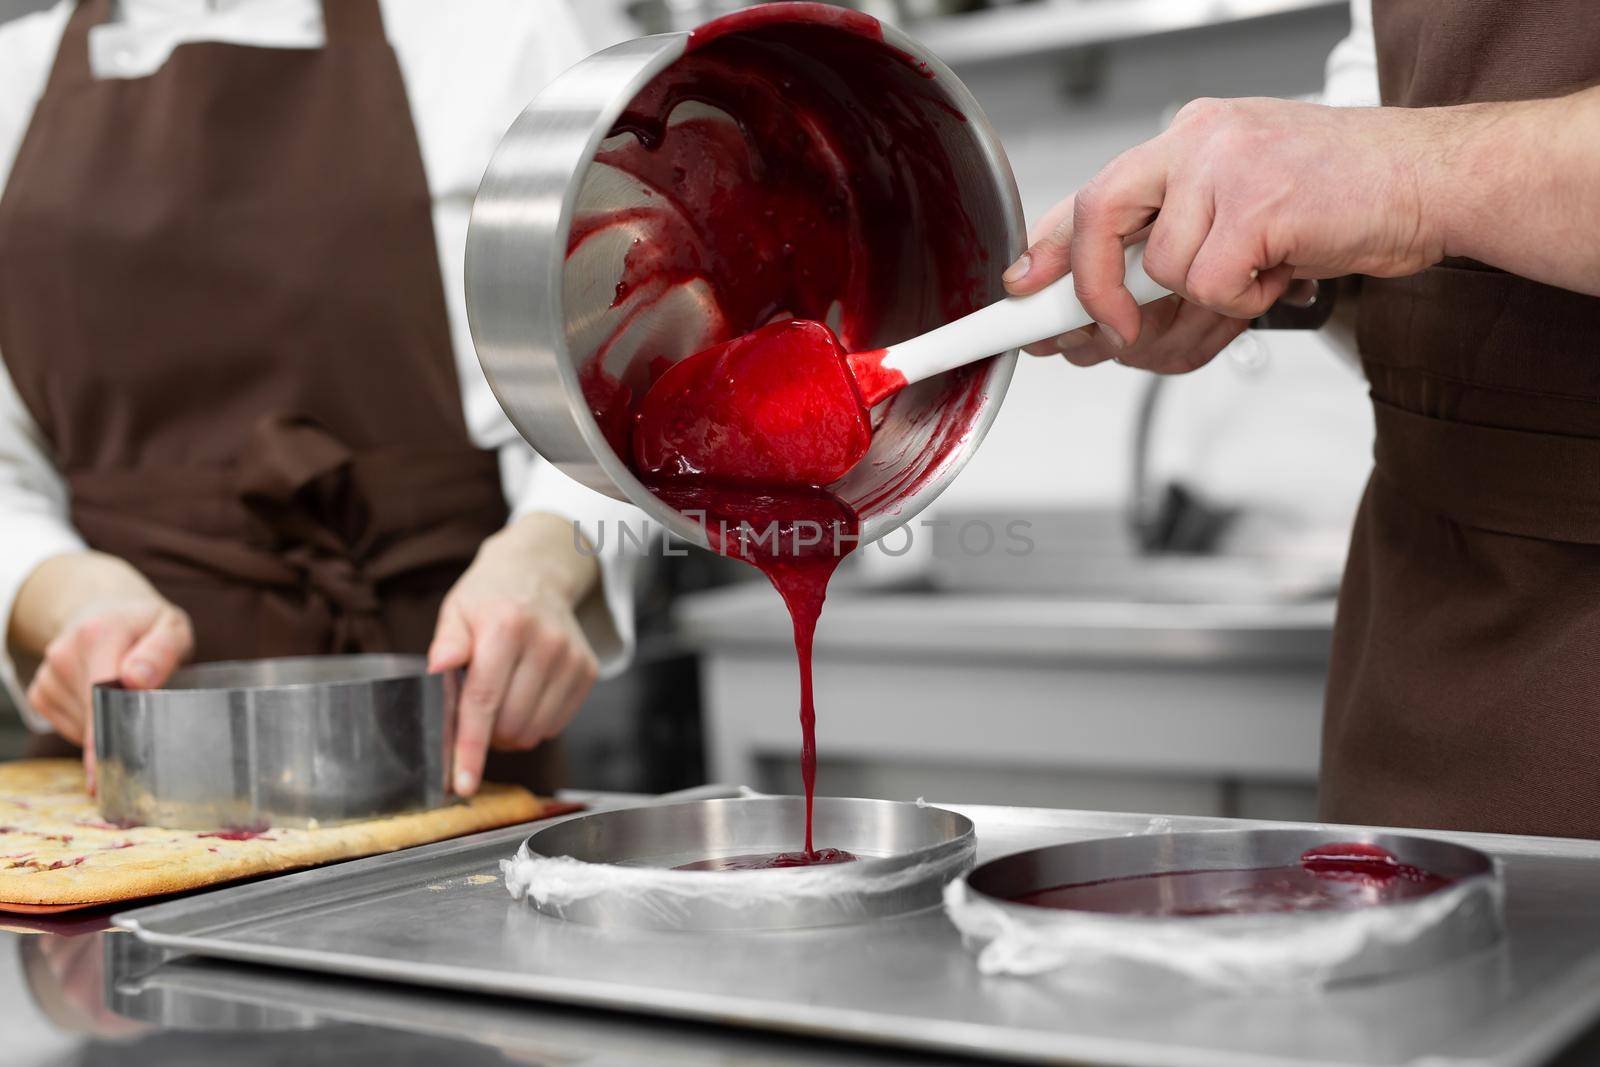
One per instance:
(439, 916)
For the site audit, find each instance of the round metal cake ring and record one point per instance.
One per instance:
(617, 868)
(297, 741)
(1270, 950)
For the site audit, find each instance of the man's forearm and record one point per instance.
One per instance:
(1517, 185)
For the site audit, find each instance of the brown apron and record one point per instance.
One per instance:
(1465, 689)
(220, 299)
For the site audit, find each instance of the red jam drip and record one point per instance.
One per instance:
(796, 537)
(1335, 877)
(767, 192)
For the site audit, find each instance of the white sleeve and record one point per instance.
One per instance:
(33, 500)
(1352, 73)
(469, 71)
(33, 521)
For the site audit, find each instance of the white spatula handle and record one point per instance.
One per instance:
(1010, 323)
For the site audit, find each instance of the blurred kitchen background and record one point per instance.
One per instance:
(1162, 647)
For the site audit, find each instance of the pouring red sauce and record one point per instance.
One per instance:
(770, 195)
(1334, 877)
(797, 537)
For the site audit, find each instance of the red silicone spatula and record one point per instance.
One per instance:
(787, 405)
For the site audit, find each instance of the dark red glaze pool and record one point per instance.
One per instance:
(790, 165)
(767, 861)
(1334, 877)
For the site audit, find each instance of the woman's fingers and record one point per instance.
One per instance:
(572, 677)
(109, 641)
(137, 641)
(498, 637)
(452, 641)
(52, 698)
(63, 682)
(552, 678)
(517, 725)
(158, 652)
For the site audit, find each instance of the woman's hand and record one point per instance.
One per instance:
(1240, 197)
(509, 621)
(91, 618)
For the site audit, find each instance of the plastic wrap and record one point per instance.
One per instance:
(663, 898)
(620, 868)
(1231, 952)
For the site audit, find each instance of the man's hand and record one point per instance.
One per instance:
(1240, 197)
(91, 618)
(509, 621)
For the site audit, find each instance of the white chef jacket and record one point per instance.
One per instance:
(470, 67)
(1351, 79)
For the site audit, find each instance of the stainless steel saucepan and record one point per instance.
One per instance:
(534, 313)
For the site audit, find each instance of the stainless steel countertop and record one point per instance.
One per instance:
(73, 994)
(189, 1011)
(1058, 630)
(103, 998)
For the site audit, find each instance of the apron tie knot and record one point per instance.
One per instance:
(337, 579)
(298, 478)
